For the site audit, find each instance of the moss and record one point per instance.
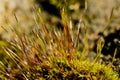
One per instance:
(52, 54)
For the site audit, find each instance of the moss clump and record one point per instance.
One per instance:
(75, 69)
(48, 53)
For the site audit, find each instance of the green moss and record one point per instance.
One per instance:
(53, 54)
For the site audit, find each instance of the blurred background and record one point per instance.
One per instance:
(96, 16)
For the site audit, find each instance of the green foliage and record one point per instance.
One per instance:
(49, 53)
